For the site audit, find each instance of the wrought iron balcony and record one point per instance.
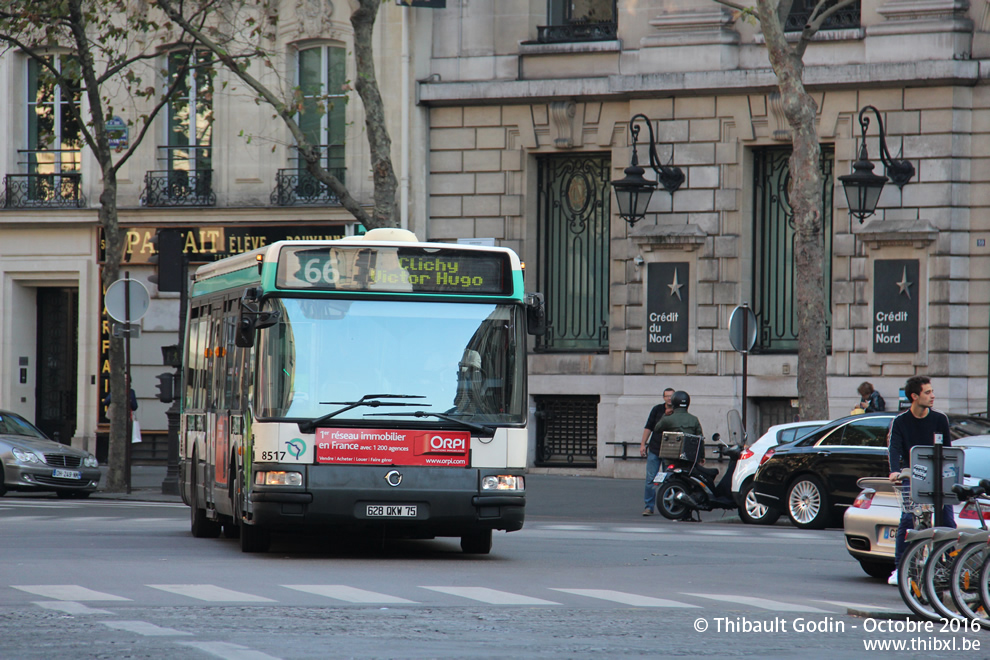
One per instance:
(578, 31)
(845, 19)
(43, 191)
(178, 188)
(297, 187)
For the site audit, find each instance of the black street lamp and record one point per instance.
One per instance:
(863, 187)
(633, 192)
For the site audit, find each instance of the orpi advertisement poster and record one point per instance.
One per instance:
(355, 446)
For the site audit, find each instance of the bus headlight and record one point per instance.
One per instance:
(278, 478)
(503, 482)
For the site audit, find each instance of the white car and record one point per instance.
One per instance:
(751, 511)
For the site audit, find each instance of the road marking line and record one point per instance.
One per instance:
(625, 598)
(348, 594)
(858, 606)
(69, 607)
(762, 603)
(66, 592)
(717, 532)
(143, 628)
(210, 592)
(570, 528)
(229, 651)
(90, 519)
(641, 530)
(18, 519)
(491, 596)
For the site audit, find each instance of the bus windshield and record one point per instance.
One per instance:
(464, 359)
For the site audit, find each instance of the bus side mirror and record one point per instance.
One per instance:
(536, 314)
(245, 330)
(250, 320)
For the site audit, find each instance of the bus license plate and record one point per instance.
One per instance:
(391, 511)
(66, 474)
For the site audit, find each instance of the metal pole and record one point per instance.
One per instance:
(937, 481)
(127, 379)
(170, 486)
(745, 365)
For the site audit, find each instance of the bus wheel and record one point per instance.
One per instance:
(477, 543)
(254, 538)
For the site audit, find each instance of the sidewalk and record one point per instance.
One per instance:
(146, 485)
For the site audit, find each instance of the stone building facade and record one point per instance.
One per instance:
(530, 111)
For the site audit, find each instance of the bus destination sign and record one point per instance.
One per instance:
(394, 270)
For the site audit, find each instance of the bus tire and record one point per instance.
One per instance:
(254, 538)
(477, 543)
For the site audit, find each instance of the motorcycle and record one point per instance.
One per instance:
(687, 487)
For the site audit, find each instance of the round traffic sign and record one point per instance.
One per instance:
(117, 298)
(742, 315)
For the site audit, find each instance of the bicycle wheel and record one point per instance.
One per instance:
(967, 573)
(937, 578)
(981, 584)
(909, 579)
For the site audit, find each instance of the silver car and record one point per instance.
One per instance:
(29, 461)
(870, 524)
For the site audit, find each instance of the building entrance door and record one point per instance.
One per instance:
(58, 350)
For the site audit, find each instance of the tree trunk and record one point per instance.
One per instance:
(806, 202)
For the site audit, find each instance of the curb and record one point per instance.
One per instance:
(884, 614)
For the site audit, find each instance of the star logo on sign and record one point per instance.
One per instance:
(675, 287)
(904, 286)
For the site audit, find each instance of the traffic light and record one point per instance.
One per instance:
(166, 387)
(168, 260)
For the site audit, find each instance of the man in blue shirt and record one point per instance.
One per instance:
(919, 425)
(651, 452)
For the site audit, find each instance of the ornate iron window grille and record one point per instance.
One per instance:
(567, 431)
(295, 186)
(774, 269)
(844, 19)
(573, 240)
(47, 191)
(594, 20)
(178, 188)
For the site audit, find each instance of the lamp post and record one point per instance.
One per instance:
(863, 187)
(633, 192)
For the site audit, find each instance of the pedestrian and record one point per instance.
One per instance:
(651, 452)
(134, 402)
(679, 421)
(870, 399)
(919, 425)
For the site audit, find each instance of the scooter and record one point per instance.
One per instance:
(686, 487)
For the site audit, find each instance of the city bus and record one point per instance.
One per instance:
(371, 383)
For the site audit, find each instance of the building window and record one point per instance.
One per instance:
(566, 431)
(51, 160)
(322, 80)
(844, 19)
(578, 20)
(573, 240)
(774, 294)
(187, 152)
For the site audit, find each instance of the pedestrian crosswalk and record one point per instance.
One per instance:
(82, 600)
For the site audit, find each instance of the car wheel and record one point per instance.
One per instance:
(807, 503)
(754, 513)
(880, 570)
(668, 504)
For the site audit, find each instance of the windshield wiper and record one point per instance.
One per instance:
(370, 400)
(478, 428)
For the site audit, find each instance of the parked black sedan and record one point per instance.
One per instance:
(815, 477)
(813, 480)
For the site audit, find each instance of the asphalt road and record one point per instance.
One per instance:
(588, 576)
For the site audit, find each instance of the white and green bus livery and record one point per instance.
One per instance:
(369, 383)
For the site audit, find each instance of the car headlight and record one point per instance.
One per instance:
(91, 462)
(503, 482)
(23, 456)
(278, 478)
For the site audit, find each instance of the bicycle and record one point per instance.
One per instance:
(947, 547)
(967, 574)
(911, 569)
